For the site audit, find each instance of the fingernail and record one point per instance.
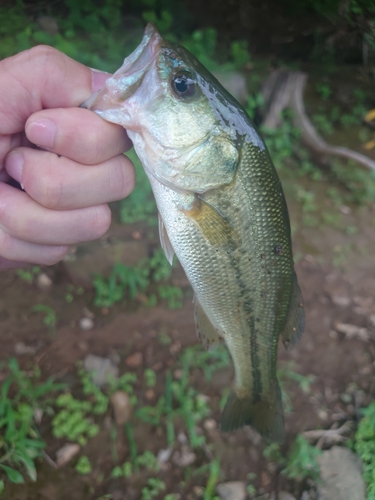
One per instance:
(42, 132)
(98, 79)
(14, 165)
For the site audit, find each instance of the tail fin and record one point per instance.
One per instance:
(266, 415)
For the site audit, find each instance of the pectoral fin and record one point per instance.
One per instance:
(295, 321)
(214, 227)
(165, 241)
(207, 333)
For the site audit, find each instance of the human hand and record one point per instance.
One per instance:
(68, 184)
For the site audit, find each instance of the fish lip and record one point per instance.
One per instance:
(106, 101)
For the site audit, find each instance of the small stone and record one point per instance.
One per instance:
(341, 301)
(101, 369)
(86, 324)
(181, 437)
(265, 479)
(175, 348)
(198, 491)
(122, 407)
(150, 394)
(164, 455)
(22, 349)
(134, 360)
(43, 281)
(345, 210)
(210, 424)
(184, 458)
(66, 453)
(233, 490)
(284, 495)
(136, 235)
(352, 331)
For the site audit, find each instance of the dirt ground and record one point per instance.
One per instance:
(335, 292)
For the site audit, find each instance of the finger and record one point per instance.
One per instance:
(16, 253)
(24, 219)
(61, 184)
(40, 78)
(78, 134)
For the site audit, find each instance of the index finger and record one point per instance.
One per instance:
(40, 78)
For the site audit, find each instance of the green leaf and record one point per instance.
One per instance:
(13, 475)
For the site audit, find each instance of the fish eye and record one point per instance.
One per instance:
(183, 85)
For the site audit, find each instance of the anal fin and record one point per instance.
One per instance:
(295, 321)
(207, 333)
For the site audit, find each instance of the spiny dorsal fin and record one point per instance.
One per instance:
(207, 333)
(165, 241)
(295, 321)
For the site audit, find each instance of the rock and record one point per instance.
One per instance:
(234, 83)
(233, 490)
(101, 369)
(86, 324)
(352, 331)
(341, 475)
(43, 281)
(340, 300)
(99, 257)
(66, 453)
(284, 495)
(184, 457)
(122, 407)
(134, 360)
(22, 349)
(48, 24)
(210, 424)
(164, 455)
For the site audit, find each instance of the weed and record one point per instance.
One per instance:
(153, 488)
(301, 461)
(324, 90)
(364, 446)
(150, 377)
(213, 478)
(29, 275)
(49, 318)
(172, 294)
(83, 466)
(20, 442)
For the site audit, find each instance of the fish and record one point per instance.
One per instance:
(222, 211)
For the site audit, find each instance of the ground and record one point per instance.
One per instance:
(336, 272)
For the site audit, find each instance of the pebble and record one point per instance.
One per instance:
(101, 369)
(150, 394)
(22, 349)
(134, 360)
(66, 453)
(164, 455)
(86, 324)
(184, 457)
(210, 424)
(43, 281)
(122, 407)
(352, 331)
(340, 300)
(233, 490)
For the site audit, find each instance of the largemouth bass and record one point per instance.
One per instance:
(221, 210)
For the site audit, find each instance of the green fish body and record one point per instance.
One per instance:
(221, 210)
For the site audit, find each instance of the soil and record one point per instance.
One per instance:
(336, 272)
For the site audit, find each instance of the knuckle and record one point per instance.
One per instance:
(54, 255)
(43, 51)
(122, 180)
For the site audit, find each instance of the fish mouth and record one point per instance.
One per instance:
(109, 102)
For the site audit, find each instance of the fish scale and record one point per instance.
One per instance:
(222, 211)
